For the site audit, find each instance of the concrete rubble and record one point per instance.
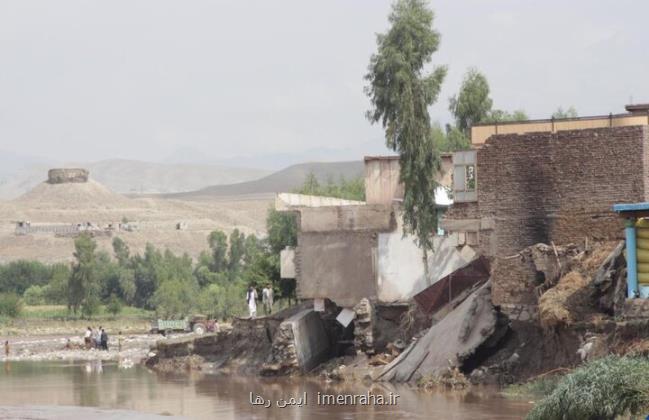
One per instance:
(449, 342)
(363, 335)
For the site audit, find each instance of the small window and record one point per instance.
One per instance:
(465, 177)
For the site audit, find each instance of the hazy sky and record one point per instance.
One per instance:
(154, 79)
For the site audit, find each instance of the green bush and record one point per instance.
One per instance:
(603, 389)
(114, 306)
(175, 298)
(10, 305)
(36, 295)
(223, 301)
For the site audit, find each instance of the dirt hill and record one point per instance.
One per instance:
(86, 195)
(180, 226)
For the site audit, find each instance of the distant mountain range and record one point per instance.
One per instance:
(132, 177)
(285, 180)
(182, 181)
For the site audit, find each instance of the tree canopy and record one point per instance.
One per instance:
(472, 104)
(400, 94)
(570, 112)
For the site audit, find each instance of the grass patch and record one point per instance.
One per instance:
(602, 389)
(61, 313)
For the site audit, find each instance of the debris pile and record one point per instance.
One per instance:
(558, 306)
(283, 354)
(450, 342)
(364, 337)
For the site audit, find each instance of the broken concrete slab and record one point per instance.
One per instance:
(301, 343)
(347, 218)
(447, 343)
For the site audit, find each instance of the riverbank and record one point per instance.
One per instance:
(126, 347)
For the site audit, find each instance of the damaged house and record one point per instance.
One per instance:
(549, 182)
(354, 255)
(531, 212)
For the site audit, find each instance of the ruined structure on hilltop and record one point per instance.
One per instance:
(67, 175)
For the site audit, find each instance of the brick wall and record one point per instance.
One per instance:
(559, 187)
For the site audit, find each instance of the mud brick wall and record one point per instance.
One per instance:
(514, 280)
(558, 187)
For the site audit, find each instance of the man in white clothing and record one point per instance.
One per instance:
(251, 299)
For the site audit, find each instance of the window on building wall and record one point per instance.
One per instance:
(465, 177)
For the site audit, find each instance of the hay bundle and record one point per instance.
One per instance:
(556, 306)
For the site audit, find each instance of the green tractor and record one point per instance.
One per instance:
(199, 324)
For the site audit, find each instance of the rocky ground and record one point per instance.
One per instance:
(134, 347)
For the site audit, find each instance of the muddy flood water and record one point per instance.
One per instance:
(39, 385)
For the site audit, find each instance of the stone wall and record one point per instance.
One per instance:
(67, 175)
(557, 187)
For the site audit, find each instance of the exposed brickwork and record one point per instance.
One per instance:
(557, 187)
(516, 278)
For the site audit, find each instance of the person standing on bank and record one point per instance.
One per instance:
(251, 299)
(267, 299)
(97, 338)
(104, 340)
(87, 338)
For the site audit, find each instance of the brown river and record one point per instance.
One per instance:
(40, 389)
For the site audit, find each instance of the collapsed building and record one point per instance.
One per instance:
(536, 198)
(531, 201)
(544, 182)
(528, 272)
(354, 256)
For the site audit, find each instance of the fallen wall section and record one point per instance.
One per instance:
(449, 342)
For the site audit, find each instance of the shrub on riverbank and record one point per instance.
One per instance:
(605, 388)
(10, 305)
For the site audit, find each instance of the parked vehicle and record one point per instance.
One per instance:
(199, 324)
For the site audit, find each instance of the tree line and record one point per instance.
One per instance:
(159, 280)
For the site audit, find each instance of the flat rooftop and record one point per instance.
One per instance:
(638, 115)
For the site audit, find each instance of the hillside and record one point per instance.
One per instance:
(285, 180)
(87, 195)
(157, 221)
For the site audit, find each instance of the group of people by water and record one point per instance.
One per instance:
(266, 299)
(96, 339)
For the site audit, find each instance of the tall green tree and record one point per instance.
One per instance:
(236, 252)
(218, 242)
(400, 94)
(472, 104)
(83, 287)
(121, 250)
(282, 230)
